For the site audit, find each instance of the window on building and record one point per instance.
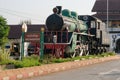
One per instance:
(109, 24)
(114, 25)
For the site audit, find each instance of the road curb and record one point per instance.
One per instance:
(22, 73)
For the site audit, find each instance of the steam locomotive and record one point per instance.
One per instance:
(69, 34)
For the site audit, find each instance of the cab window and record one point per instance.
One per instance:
(92, 24)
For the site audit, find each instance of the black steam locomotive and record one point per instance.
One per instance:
(70, 34)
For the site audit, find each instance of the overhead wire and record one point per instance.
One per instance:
(18, 14)
(17, 11)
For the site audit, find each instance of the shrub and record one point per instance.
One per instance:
(5, 58)
(33, 60)
(28, 62)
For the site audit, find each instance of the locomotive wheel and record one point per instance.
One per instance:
(76, 53)
(59, 53)
(68, 52)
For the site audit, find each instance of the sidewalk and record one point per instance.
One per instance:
(21, 73)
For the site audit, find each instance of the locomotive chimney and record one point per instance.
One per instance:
(59, 9)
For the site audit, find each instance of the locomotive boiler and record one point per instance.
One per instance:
(66, 20)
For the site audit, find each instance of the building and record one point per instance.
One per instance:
(14, 37)
(109, 10)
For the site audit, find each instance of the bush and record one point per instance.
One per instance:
(33, 60)
(5, 58)
(28, 62)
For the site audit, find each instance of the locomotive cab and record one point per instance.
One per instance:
(97, 28)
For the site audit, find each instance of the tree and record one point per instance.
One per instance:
(4, 29)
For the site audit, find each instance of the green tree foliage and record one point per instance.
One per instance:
(4, 29)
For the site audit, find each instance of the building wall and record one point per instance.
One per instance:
(13, 42)
(114, 40)
(114, 30)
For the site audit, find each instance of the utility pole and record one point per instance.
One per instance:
(107, 13)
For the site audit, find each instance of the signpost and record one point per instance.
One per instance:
(32, 37)
(36, 37)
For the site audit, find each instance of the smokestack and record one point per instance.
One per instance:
(59, 9)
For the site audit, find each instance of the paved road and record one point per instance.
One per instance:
(103, 71)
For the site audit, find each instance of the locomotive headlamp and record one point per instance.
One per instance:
(55, 10)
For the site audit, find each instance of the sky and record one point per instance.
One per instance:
(37, 11)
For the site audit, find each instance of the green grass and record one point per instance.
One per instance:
(34, 60)
(28, 62)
